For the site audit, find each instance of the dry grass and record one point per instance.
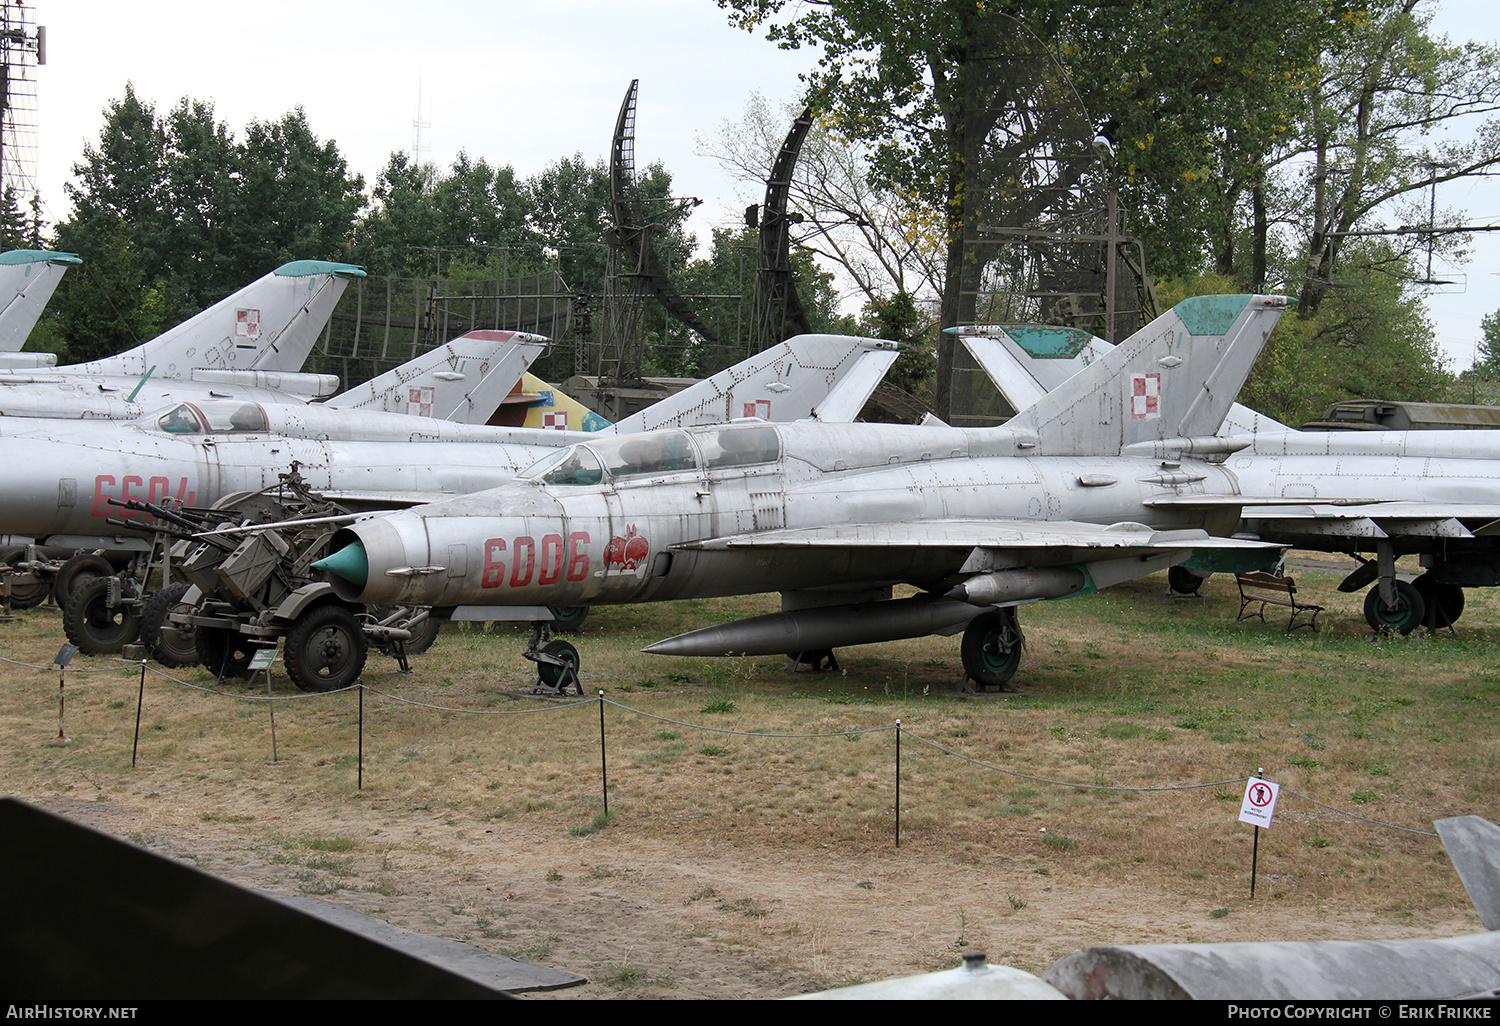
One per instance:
(1122, 689)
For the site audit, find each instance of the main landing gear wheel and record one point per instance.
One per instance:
(96, 626)
(1183, 582)
(1444, 602)
(224, 652)
(1402, 618)
(23, 596)
(557, 676)
(79, 570)
(168, 643)
(326, 650)
(991, 649)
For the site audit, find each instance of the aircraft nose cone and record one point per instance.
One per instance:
(350, 562)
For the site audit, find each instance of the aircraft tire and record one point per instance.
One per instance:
(1403, 619)
(78, 570)
(568, 619)
(1444, 602)
(24, 596)
(224, 652)
(991, 647)
(325, 649)
(168, 643)
(551, 675)
(422, 638)
(93, 625)
(1183, 582)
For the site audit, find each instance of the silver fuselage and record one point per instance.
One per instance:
(705, 532)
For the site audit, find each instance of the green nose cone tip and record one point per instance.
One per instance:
(349, 562)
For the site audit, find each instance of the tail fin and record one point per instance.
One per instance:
(1473, 845)
(463, 381)
(1165, 389)
(1026, 361)
(825, 377)
(269, 325)
(555, 410)
(27, 278)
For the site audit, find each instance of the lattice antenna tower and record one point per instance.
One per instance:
(23, 47)
(418, 147)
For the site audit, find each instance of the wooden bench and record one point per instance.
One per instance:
(1266, 588)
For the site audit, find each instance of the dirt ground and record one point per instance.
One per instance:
(645, 919)
(669, 903)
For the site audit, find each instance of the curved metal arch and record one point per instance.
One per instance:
(633, 233)
(778, 307)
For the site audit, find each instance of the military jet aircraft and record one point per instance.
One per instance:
(250, 345)
(57, 479)
(1432, 493)
(27, 280)
(1059, 502)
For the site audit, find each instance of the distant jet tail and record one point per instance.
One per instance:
(1026, 361)
(463, 381)
(549, 408)
(1165, 390)
(27, 278)
(822, 377)
(269, 325)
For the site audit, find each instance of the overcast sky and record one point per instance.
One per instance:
(513, 81)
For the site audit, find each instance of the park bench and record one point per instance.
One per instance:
(1263, 588)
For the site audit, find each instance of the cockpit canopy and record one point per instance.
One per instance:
(657, 452)
(213, 416)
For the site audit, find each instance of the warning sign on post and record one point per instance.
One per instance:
(1259, 803)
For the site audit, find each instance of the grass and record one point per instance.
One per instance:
(1159, 695)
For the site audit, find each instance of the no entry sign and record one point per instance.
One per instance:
(1259, 803)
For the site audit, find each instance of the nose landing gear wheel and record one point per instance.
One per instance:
(991, 649)
(1402, 618)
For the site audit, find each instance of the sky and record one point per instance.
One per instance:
(515, 82)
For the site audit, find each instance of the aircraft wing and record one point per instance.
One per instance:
(1357, 517)
(1072, 540)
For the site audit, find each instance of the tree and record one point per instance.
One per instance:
(1371, 133)
(172, 214)
(298, 199)
(1487, 360)
(980, 112)
(882, 241)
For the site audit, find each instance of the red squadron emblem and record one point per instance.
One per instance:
(626, 553)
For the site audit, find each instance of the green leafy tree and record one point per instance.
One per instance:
(898, 319)
(1487, 360)
(981, 111)
(172, 214)
(297, 199)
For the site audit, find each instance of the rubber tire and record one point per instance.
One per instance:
(1408, 614)
(169, 644)
(325, 649)
(24, 596)
(1183, 582)
(420, 641)
(1444, 602)
(980, 649)
(223, 652)
(549, 674)
(76, 572)
(424, 636)
(568, 619)
(93, 626)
